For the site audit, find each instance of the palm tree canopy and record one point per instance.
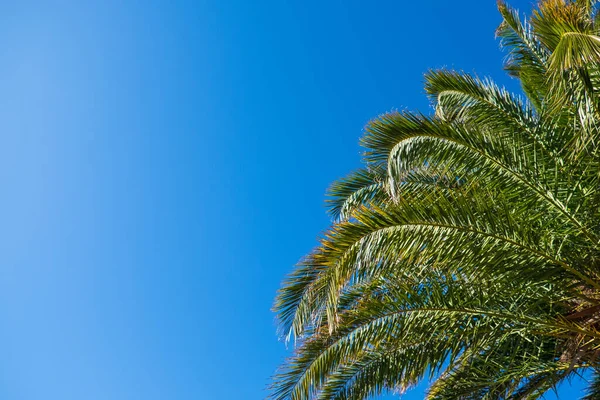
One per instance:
(467, 248)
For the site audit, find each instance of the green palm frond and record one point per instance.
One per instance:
(527, 57)
(467, 248)
(360, 187)
(553, 18)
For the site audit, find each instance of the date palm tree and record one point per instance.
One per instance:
(467, 249)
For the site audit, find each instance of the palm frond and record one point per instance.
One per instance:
(467, 249)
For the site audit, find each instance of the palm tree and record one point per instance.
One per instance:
(467, 250)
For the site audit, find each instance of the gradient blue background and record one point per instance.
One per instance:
(163, 165)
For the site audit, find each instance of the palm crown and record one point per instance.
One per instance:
(467, 249)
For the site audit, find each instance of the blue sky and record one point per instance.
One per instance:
(163, 166)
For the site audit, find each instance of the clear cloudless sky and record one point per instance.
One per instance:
(163, 166)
